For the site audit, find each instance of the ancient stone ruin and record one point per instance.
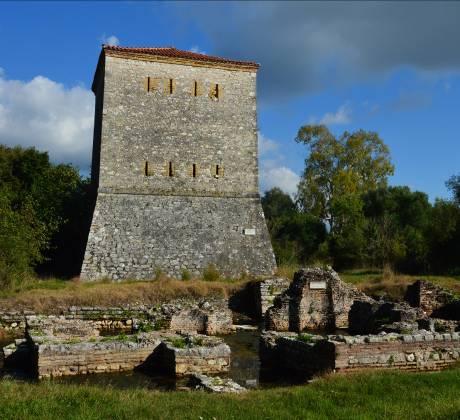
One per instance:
(316, 299)
(175, 166)
(314, 324)
(387, 335)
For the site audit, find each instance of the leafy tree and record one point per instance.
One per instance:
(398, 223)
(296, 236)
(453, 184)
(42, 206)
(335, 167)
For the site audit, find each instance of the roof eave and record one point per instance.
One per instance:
(180, 60)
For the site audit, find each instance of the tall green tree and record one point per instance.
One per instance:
(43, 208)
(453, 184)
(337, 167)
(398, 222)
(296, 236)
(338, 171)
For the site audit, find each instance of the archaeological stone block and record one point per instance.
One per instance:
(316, 299)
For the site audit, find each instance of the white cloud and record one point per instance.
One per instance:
(266, 145)
(279, 176)
(110, 40)
(196, 49)
(48, 116)
(341, 116)
(273, 170)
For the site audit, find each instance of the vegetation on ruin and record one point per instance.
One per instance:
(389, 395)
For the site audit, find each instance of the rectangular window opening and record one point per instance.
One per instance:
(171, 86)
(170, 171)
(194, 170)
(217, 91)
(217, 170)
(147, 84)
(195, 88)
(146, 168)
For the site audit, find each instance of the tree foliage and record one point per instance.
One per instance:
(338, 169)
(39, 201)
(296, 236)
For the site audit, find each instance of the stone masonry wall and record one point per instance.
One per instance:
(407, 352)
(210, 316)
(431, 298)
(316, 299)
(132, 236)
(160, 216)
(181, 128)
(266, 291)
(315, 354)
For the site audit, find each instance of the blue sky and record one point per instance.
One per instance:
(393, 68)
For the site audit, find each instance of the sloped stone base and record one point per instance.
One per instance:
(134, 236)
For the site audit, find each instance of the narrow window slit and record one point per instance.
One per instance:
(217, 170)
(217, 91)
(194, 170)
(171, 172)
(171, 86)
(195, 89)
(146, 168)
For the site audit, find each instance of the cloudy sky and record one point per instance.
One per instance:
(391, 67)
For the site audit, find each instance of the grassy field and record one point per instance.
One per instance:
(378, 282)
(48, 295)
(390, 395)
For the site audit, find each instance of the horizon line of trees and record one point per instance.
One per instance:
(343, 214)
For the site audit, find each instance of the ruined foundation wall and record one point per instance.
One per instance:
(408, 352)
(78, 359)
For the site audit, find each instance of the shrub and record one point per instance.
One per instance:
(186, 275)
(211, 273)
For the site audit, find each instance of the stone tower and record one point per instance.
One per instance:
(175, 165)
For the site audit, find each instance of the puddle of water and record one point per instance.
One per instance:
(126, 380)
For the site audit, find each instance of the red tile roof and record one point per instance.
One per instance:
(172, 52)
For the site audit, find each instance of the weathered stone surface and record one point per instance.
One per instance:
(372, 316)
(266, 291)
(316, 299)
(178, 315)
(433, 300)
(59, 327)
(215, 384)
(419, 351)
(56, 357)
(301, 355)
(166, 217)
(194, 354)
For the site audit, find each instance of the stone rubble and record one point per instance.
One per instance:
(215, 384)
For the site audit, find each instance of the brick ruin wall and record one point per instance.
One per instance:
(148, 221)
(316, 299)
(210, 317)
(409, 352)
(266, 291)
(53, 360)
(420, 351)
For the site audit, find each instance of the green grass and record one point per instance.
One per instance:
(387, 395)
(376, 282)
